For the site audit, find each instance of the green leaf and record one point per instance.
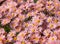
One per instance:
(7, 28)
(27, 19)
(12, 43)
(35, 1)
(17, 33)
(48, 13)
(0, 24)
(25, 0)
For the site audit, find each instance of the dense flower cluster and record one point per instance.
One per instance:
(29, 21)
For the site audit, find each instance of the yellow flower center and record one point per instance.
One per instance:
(28, 14)
(37, 21)
(59, 12)
(36, 39)
(15, 38)
(23, 42)
(52, 38)
(0, 39)
(26, 24)
(33, 30)
(51, 25)
(55, 20)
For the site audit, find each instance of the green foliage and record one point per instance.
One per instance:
(17, 33)
(27, 19)
(25, 0)
(35, 1)
(0, 24)
(48, 13)
(7, 28)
